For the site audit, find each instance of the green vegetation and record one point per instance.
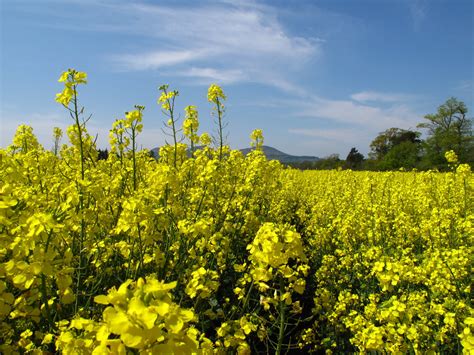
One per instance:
(448, 129)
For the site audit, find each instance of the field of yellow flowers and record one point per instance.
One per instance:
(210, 251)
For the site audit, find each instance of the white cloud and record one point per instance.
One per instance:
(312, 143)
(246, 32)
(358, 124)
(245, 42)
(214, 75)
(350, 112)
(464, 85)
(332, 134)
(418, 10)
(157, 59)
(374, 96)
(332, 140)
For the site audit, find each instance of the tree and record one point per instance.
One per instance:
(404, 155)
(354, 159)
(449, 129)
(102, 154)
(330, 162)
(390, 138)
(395, 148)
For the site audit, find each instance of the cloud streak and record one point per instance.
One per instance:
(245, 42)
(350, 112)
(224, 76)
(374, 96)
(157, 59)
(418, 10)
(331, 134)
(356, 123)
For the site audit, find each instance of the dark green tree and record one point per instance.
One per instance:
(354, 159)
(449, 128)
(395, 148)
(102, 154)
(390, 138)
(404, 155)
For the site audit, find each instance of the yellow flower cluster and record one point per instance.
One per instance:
(141, 315)
(217, 252)
(395, 274)
(132, 118)
(71, 78)
(451, 156)
(191, 124)
(203, 283)
(124, 131)
(257, 138)
(215, 93)
(166, 98)
(278, 253)
(234, 334)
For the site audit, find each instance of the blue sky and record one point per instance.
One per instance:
(319, 77)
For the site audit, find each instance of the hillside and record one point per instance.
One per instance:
(275, 154)
(271, 154)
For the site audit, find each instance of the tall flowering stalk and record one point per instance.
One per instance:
(216, 96)
(57, 135)
(78, 135)
(71, 79)
(117, 139)
(133, 126)
(257, 139)
(190, 126)
(167, 99)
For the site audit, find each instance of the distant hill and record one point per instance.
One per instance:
(275, 154)
(271, 154)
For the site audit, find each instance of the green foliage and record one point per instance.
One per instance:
(354, 159)
(395, 148)
(330, 162)
(404, 155)
(390, 138)
(449, 128)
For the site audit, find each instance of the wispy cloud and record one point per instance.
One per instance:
(335, 140)
(224, 76)
(464, 85)
(374, 96)
(356, 124)
(248, 32)
(350, 112)
(245, 41)
(157, 59)
(418, 11)
(331, 134)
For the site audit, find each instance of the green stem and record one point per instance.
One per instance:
(192, 141)
(175, 141)
(43, 288)
(219, 117)
(281, 333)
(134, 160)
(81, 201)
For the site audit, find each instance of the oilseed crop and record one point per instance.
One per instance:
(206, 250)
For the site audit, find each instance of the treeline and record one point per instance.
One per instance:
(448, 129)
